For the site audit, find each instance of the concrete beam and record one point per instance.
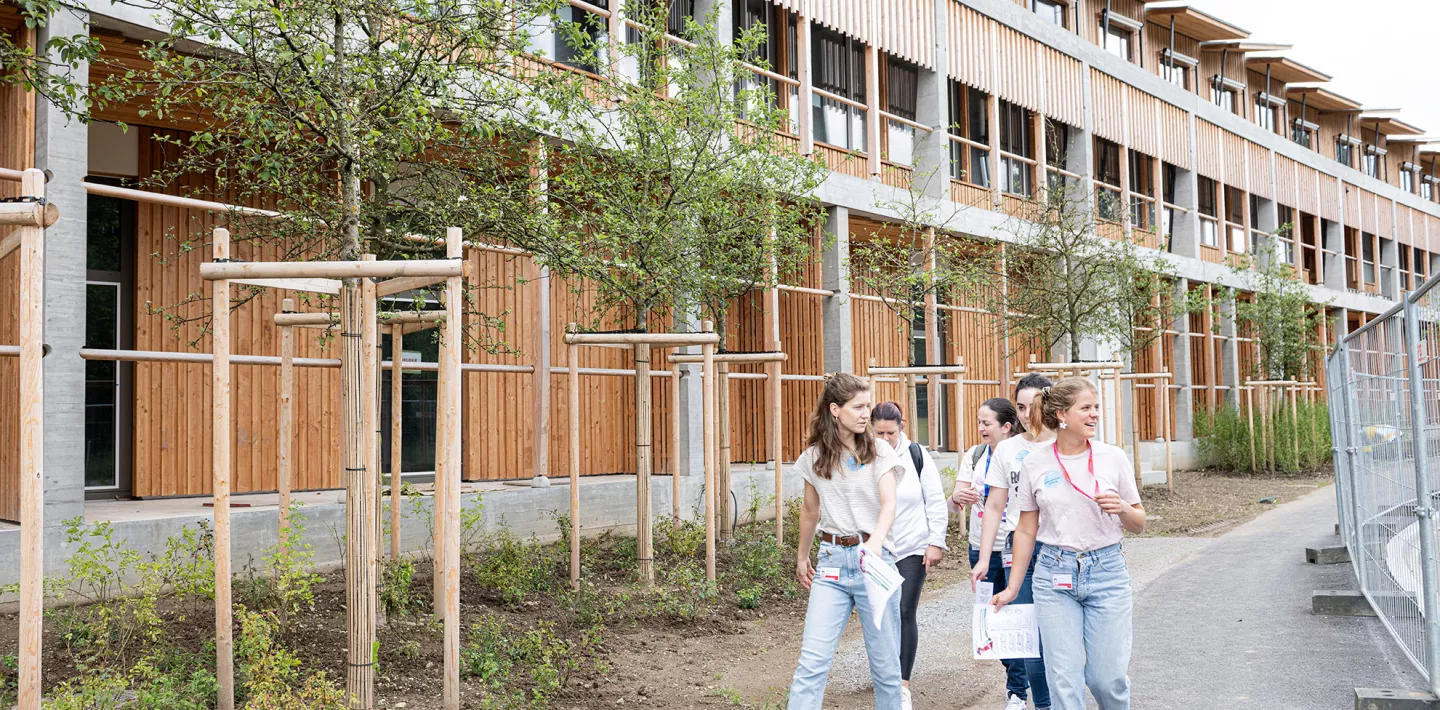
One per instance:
(1340, 603)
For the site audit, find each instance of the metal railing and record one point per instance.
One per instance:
(1384, 381)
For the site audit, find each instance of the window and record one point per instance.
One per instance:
(1015, 143)
(1052, 11)
(771, 53)
(970, 119)
(902, 81)
(1208, 208)
(1142, 169)
(1343, 152)
(1235, 219)
(1222, 97)
(1117, 42)
(1265, 114)
(1177, 74)
(109, 288)
(1057, 156)
(1404, 268)
(839, 69)
(1407, 181)
(585, 50)
(1170, 179)
(1302, 134)
(1427, 189)
(418, 395)
(1371, 165)
(1285, 235)
(681, 11)
(1367, 257)
(1107, 177)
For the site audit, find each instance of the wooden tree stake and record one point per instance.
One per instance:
(440, 486)
(1250, 419)
(675, 444)
(287, 421)
(397, 345)
(722, 457)
(32, 446)
(644, 540)
(370, 397)
(708, 440)
(454, 314)
(220, 483)
(572, 381)
(777, 442)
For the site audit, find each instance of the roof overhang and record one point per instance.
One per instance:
(1286, 70)
(1195, 23)
(1243, 46)
(1321, 99)
(1390, 126)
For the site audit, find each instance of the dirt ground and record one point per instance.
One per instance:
(1207, 503)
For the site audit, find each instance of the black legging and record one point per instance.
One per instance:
(912, 569)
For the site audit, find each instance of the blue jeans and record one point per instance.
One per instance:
(1086, 628)
(825, 619)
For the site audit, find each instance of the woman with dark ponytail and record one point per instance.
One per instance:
(850, 478)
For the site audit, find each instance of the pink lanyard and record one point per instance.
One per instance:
(1056, 448)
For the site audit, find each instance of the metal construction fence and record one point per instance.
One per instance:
(1384, 381)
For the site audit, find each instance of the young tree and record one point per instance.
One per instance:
(915, 264)
(1279, 314)
(1067, 283)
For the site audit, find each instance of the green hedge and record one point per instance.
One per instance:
(1224, 439)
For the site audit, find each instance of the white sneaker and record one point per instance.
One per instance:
(1015, 703)
(905, 699)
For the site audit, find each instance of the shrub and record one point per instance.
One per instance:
(269, 674)
(286, 585)
(1224, 439)
(521, 668)
(515, 570)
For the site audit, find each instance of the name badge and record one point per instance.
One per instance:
(1062, 581)
(1007, 560)
(828, 573)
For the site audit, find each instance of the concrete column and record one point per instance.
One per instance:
(1389, 266)
(1229, 353)
(722, 11)
(932, 151)
(1080, 159)
(1268, 221)
(1332, 240)
(838, 323)
(692, 431)
(62, 148)
(1180, 368)
(1185, 240)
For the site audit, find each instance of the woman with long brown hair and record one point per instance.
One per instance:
(850, 477)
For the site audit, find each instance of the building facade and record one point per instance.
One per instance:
(1190, 137)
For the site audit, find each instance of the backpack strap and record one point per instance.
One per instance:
(976, 452)
(917, 457)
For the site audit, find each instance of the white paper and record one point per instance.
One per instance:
(983, 592)
(1011, 632)
(881, 583)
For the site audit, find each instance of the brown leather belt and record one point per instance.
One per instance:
(844, 540)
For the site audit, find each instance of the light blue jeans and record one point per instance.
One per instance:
(825, 619)
(1086, 628)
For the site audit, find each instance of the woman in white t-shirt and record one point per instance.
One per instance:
(918, 537)
(998, 525)
(850, 478)
(996, 421)
(1077, 500)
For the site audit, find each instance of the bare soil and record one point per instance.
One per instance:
(1207, 503)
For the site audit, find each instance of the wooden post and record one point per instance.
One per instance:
(912, 412)
(675, 445)
(708, 440)
(370, 398)
(1250, 418)
(1294, 423)
(287, 420)
(644, 536)
(932, 347)
(397, 351)
(722, 462)
(540, 383)
(440, 488)
(360, 672)
(32, 417)
(572, 378)
(454, 460)
(1165, 413)
(777, 442)
(960, 407)
(1135, 433)
(220, 453)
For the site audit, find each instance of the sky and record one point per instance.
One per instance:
(1380, 52)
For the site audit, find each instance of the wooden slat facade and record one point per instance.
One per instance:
(1260, 172)
(971, 47)
(1107, 106)
(1143, 117)
(1064, 87)
(1209, 150)
(1174, 135)
(17, 152)
(1018, 79)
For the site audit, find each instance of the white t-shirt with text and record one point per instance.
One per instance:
(1005, 473)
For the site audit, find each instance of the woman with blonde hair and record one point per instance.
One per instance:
(1077, 500)
(850, 477)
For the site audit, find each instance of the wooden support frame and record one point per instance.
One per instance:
(773, 433)
(1102, 371)
(360, 369)
(29, 240)
(1266, 392)
(911, 376)
(643, 343)
(1160, 381)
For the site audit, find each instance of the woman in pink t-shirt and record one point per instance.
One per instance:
(1077, 500)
